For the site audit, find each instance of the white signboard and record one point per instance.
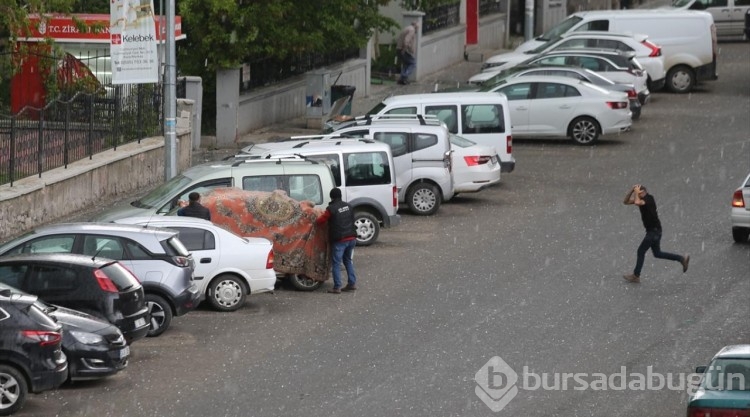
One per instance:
(133, 42)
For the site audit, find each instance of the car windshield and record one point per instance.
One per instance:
(376, 109)
(560, 28)
(681, 3)
(163, 193)
(727, 374)
(461, 142)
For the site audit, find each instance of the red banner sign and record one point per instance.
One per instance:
(61, 28)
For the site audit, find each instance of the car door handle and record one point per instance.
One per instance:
(565, 106)
(522, 108)
(205, 260)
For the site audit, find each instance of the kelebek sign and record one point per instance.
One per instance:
(62, 29)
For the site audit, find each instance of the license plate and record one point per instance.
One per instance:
(125, 352)
(140, 322)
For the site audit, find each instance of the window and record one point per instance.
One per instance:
(202, 188)
(13, 274)
(517, 91)
(613, 44)
(397, 141)
(47, 279)
(424, 141)
(103, 247)
(589, 63)
(332, 161)
(196, 239)
(446, 114)
(402, 110)
(569, 74)
(305, 187)
(137, 252)
(48, 244)
(266, 183)
(575, 44)
(600, 25)
(550, 90)
(367, 168)
(552, 60)
(488, 118)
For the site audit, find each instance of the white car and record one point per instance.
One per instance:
(475, 167)
(228, 267)
(741, 212)
(544, 106)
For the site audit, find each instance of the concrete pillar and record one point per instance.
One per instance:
(194, 92)
(227, 106)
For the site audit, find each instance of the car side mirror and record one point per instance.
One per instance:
(700, 370)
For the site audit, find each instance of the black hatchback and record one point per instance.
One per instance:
(100, 287)
(31, 357)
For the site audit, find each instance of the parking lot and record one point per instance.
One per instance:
(529, 271)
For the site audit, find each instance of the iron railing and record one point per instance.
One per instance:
(441, 17)
(488, 7)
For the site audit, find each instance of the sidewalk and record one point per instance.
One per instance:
(452, 76)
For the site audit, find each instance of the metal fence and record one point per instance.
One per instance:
(69, 129)
(488, 7)
(441, 17)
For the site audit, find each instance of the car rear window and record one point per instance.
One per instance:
(120, 276)
(367, 168)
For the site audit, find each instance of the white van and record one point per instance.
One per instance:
(729, 15)
(481, 117)
(687, 39)
(364, 170)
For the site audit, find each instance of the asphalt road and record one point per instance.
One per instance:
(529, 271)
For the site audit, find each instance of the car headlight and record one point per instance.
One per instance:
(88, 338)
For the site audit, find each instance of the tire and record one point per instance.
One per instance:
(303, 283)
(226, 293)
(740, 234)
(161, 314)
(423, 199)
(14, 392)
(680, 79)
(368, 228)
(584, 130)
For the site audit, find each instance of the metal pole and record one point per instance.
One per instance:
(528, 34)
(170, 100)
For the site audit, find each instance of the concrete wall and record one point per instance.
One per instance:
(109, 175)
(493, 32)
(439, 50)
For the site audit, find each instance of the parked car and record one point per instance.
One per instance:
(157, 258)
(31, 356)
(101, 287)
(579, 73)
(728, 15)
(564, 107)
(228, 267)
(648, 54)
(740, 214)
(724, 388)
(475, 167)
(95, 348)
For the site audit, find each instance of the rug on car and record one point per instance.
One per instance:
(300, 246)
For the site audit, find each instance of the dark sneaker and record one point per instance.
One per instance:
(334, 291)
(632, 278)
(685, 262)
(349, 288)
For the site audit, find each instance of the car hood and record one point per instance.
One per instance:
(483, 76)
(720, 399)
(77, 320)
(529, 45)
(507, 57)
(122, 211)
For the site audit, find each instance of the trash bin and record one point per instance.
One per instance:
(339, 91)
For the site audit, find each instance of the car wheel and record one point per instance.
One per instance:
(584, 130)
(226, 293)
(13, 390)
(423, 199)
(368, 228)
(740, 234)
(161, 314)
(303, 282)
(680, 79)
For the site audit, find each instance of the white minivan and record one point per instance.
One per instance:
(481, 117)
(729, 15)
(687, 39)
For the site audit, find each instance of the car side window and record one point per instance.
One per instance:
(598, 25)
(103, 247)
(196, 239)
(521, 91)
(136, 251)
(333, 162)
(574, 44)
(446, 114)
(398, 141)
(305, 187)
(267, 183)
(613, 44)
(402, 110)
(13, 274)
(484, 118)
(552, 60)
(50, 279)
(550, 90)
(424, 141)
(589, 63)
(47, 244)
(201, 188)
(356, 133)
(367, 168)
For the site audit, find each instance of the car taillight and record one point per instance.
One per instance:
(655, 49)
(44, 338)
(395, 196)
(269, 260)
(182, 261)
(717, 412)
(617, 105)
(476, 160)
(104, 282)
(738, 200)
(632, 93)
(509, 144)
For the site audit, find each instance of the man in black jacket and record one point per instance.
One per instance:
(647, 205)
(194, 208)
(343, 237)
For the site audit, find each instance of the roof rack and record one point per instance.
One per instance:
(248, 159)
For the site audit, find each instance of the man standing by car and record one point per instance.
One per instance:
(343, 237)
(406, 49)
(647, 205)
(194, 208)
